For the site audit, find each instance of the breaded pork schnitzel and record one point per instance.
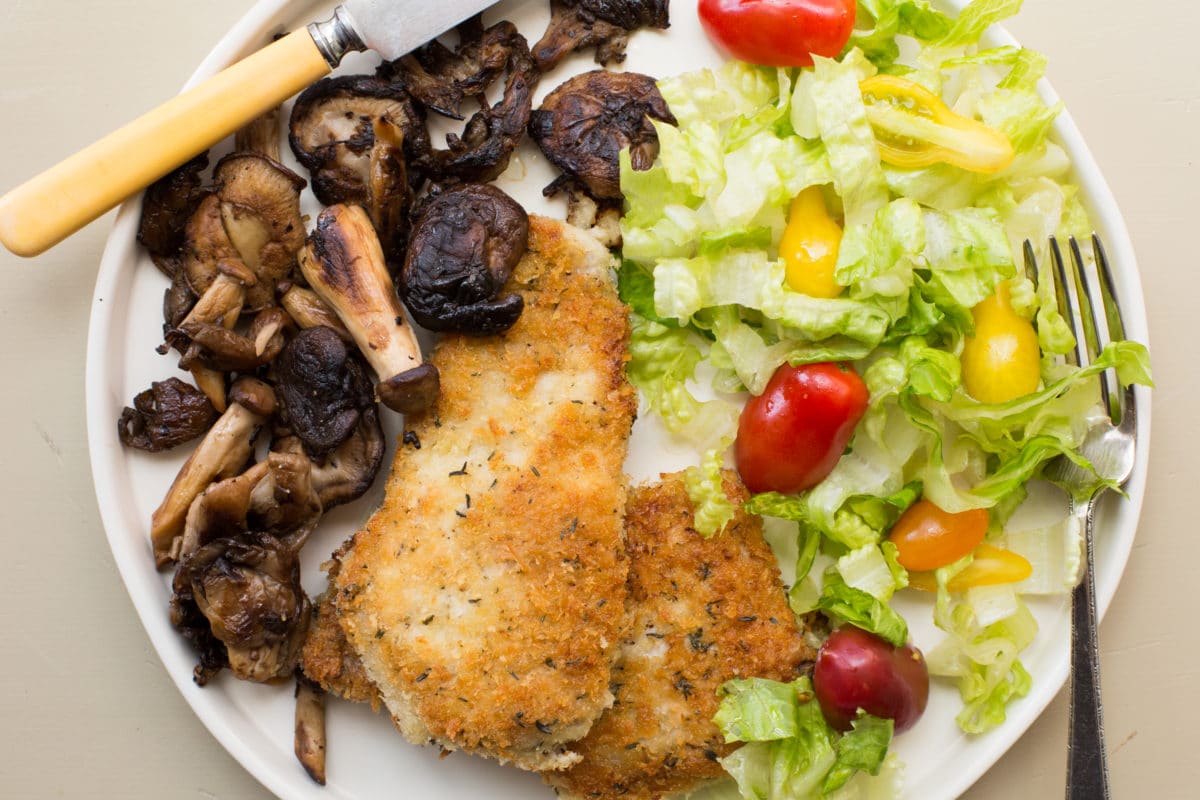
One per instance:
(485, 598)
(702, 611)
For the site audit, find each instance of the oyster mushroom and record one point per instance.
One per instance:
(584, 124)
(260, 136)
(222, 453)
(347, 472)
(603, 24)
(166, 207)
(465, 244)
(440, 78)
(164, 416)
(490, 136)
(240, 602)
(323, 388)
(275, 495)
(358, 136)
(219, 348)
(260, 211)
(344, 264)
(308, 310)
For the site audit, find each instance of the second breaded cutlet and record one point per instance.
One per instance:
(702, 611)
(485, 598)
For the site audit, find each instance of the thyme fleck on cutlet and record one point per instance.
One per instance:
(411, 439)
(569, 529)
(461, 471)
(695, 640)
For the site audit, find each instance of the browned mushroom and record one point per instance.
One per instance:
(343, 262)
(260, 136)
(223, 453)
(276, 496)
(166, 207)
(440, 78)
(240, 602)
(490, 136)
(347, 472)
(323, 389)
(465, 244)
(584, 124)
(603, 24)
(358, 136)
(310, 728)
(225, 350)
(166, 415)
(212, 266)
(308, 310)
(260, 211)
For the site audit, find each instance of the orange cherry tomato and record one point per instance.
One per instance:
(992, 566)
(926, 537)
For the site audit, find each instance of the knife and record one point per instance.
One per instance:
(47, 209)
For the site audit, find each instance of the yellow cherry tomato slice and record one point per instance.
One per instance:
(992, 566)
(810, 244)
(1002, 361)
(914, 128)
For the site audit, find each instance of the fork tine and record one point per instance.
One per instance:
(1095, 333)
(1067, 304)
(1124, 409)
(1108, 292)
(1031, 265)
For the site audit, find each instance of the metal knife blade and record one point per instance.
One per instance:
(395, 27)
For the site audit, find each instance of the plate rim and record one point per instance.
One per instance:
(131, 562)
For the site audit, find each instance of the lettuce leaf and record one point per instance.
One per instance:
(790, 751)
(844, 603)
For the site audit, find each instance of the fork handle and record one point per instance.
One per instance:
(1087, 761)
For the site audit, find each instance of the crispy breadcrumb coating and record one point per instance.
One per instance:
(702, 611)
(486, 597)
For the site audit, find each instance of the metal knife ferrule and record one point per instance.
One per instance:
(335, 37)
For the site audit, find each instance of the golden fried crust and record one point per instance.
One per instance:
(702, 611)
(486, 596)
(328, 660)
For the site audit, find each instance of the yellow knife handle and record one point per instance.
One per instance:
(42, 212)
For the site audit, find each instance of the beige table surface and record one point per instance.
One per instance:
(86, 709)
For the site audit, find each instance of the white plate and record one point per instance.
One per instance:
(367, 758)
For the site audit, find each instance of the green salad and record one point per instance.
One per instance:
(932, 217)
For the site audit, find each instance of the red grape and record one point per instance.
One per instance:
(856, 669)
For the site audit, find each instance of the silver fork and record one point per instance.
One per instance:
(1110, 447)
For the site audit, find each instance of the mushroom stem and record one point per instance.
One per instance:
(212, 383)
(308, 310)
(221, 303)
(310, 728)
(343, 262)
(222, 453)
(260, 136)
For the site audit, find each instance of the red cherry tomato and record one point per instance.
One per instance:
(779, 33)
(926, 537)
(856, 669)
(792, 435)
